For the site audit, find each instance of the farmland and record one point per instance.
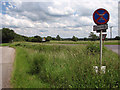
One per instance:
(62, 66)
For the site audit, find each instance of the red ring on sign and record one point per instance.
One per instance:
(106, 20)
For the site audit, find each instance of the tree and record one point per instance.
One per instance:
(58, 38)
(117, 38)
(7, 35)
(37, 39)
(85, 38)
(74, 38)
(93, 36)
(48, 38)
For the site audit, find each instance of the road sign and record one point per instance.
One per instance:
(103, 36)
(100, 27)
(101, 16)
(103, 27)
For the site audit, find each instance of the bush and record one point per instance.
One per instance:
(94, 48)
(37, 63)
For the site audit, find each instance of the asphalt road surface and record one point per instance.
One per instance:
(6, 65)
(114, 48)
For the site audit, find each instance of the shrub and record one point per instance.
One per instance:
(94, 48)
(36, 64)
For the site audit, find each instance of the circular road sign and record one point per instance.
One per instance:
(101, 16)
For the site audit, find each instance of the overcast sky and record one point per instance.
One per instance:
(56, 17)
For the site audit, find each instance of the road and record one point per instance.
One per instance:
(114, 48)
(6, 65)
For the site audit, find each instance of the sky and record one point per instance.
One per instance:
(56, 17)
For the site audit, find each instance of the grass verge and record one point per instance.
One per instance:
(55, 66)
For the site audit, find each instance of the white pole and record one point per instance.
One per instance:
(100, 49)
(111, 32)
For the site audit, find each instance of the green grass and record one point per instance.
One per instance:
(112, 42)
(5, 44)
(20, 76)
(49, 66)
(115, 42)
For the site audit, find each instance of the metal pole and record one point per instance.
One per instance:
(100, 50)
(111, 32)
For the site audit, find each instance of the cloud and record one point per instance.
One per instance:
(66, 18)
(55, 11)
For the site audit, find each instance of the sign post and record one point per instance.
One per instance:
(100, 17)
(100, 48)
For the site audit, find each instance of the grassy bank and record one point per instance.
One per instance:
(43, 66)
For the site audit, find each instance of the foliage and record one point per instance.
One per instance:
(7, 35)
(10, 36)
(85, 38)
(58, 38)
(93, 36)
(94, 48)
(48, 38)
(54, 66)
(74, 38)
(37, 39)
(117, 38)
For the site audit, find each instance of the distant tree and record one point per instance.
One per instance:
(30, 39)
(37, 39)
(117, 38)
(74, 38)
(93, 36)
(18, 37)
(53, 38)
(85, 38)
(58, 37)
(25, 38)
(48, 38)
(7, 35)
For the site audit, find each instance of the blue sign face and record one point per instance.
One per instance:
(101, 16)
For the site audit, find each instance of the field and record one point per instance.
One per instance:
(62, 66)
(111, 42)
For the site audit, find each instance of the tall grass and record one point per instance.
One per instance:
(58, 66)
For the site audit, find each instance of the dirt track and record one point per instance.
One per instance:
(6, 63)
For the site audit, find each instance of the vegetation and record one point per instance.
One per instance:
(55, 66)
(9, 35)
(74, 38)
(58, 38)
(48, 38)
(115, 42)
(48, 65)
(94, 48)
(93, 36)
(117, 38)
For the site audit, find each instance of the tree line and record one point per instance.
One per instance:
(8, 35)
